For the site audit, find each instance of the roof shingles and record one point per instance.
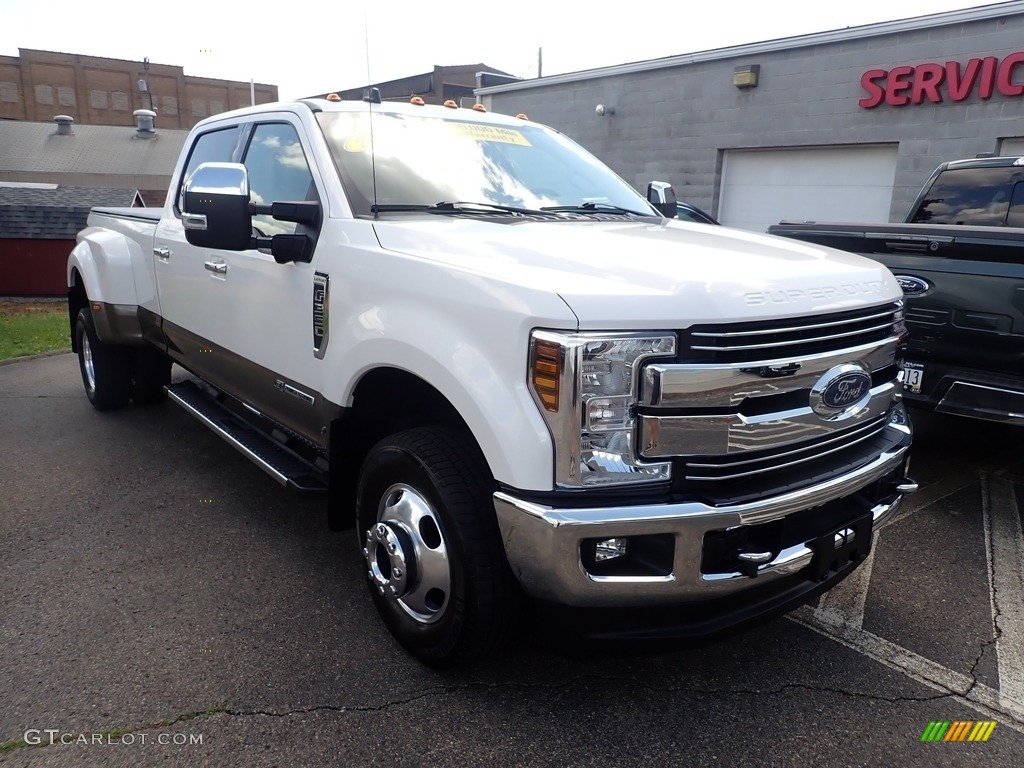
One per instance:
(54, 214)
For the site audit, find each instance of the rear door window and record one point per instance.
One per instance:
(971, 196)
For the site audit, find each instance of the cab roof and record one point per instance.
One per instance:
(385, 107)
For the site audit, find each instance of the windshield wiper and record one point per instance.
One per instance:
(463, 207)
(455, 206)
(387, 208)
(592, 207)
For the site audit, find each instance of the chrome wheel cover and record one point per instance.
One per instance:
(87, 363)
(406, 555)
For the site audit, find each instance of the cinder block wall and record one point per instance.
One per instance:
(673, 124)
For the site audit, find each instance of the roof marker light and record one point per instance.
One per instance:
(417, 100)
(333, 97)
(450, 103)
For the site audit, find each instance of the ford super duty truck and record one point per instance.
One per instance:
(508, 370)
(959, 258)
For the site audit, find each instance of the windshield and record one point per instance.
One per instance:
(425, 160)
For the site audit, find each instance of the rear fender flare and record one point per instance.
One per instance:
(104, 260)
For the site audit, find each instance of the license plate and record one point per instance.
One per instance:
(913, 377)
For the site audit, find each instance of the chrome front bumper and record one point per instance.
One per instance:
(543, 544)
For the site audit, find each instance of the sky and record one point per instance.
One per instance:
(307, 48)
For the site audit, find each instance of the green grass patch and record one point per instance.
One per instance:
(33, 328)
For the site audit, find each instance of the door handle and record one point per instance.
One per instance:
(217, 266)
(162, 252)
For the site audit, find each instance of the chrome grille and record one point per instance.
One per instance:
(747, 342)
(746, 464)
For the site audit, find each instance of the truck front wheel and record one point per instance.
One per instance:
(106, 368)
(436, 568)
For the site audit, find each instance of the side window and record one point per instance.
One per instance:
(278, 172)
(212, 147)
(970, 196)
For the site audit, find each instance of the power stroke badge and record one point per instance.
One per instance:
(321, 321)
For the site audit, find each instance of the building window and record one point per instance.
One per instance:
(119, 101)
(9, 93)
(44, 94)
(98, 99)
(66, 96)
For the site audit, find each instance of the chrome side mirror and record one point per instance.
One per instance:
(661, 195)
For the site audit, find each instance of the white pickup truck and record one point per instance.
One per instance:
(509, 370)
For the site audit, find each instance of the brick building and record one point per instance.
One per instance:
(842, 125)
(37, 85)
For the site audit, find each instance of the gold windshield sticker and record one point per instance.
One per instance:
(492, 133)
(355, 144)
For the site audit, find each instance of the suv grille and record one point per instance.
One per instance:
(748, 342)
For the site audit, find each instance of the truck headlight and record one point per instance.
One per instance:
(586, 385)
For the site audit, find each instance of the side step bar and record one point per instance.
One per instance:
(282, 464)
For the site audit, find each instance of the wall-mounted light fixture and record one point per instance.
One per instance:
(746, 76)
(604, 109)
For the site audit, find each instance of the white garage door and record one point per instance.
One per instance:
(1012, 147)
(764, 186)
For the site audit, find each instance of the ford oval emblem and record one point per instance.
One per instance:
(842, 392)
(845, 390)
(912, 285)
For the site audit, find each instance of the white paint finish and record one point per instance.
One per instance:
(453, 300)
(643, 275)
(111, 256)
(1004, 546)
(765, 186)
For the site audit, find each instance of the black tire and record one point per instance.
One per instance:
(106, 368)
(428, 493)
(151, 372)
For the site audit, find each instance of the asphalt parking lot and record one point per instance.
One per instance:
(164, 602)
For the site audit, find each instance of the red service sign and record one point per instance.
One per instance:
(904, 85)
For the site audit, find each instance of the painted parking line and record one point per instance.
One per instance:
(1004, 546)
(839, 613)
(960, 687)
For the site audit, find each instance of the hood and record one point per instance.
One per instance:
(648, 274)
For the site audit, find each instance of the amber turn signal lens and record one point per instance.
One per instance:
(546, 373)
